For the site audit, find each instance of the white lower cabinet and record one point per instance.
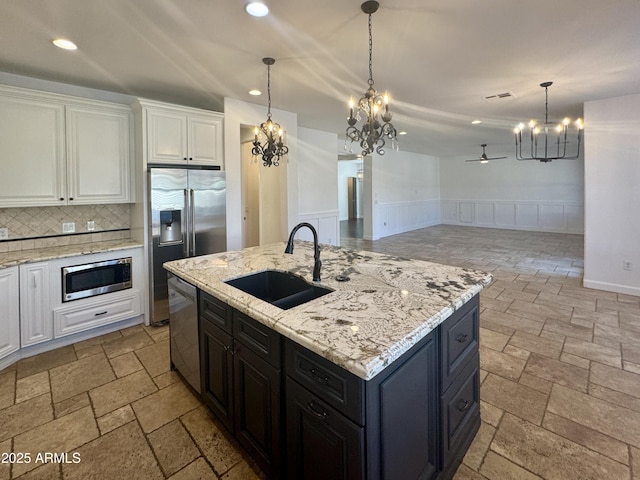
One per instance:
(9, 312)
(35, 306)
(96, 312)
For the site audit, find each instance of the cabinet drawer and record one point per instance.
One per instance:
(321, 443)
(86, 315)
(339, 388)
(459, 341)
(461, 410)
(216, 311)
(260, 339)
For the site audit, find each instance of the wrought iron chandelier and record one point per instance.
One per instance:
(552, 139)
(374, 107)
(273, 149)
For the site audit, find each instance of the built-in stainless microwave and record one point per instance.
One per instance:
(81, 281)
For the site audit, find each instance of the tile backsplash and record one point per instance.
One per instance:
(34, 227)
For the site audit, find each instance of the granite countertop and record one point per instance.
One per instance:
(18, 257)
(386, 307)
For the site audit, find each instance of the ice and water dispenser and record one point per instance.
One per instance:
(170, 227)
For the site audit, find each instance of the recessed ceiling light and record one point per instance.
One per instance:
(476, 122)
(257, 9)
(65, 44)
(402, 133)
(255, 92)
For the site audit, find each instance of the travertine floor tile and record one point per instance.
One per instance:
(616, 379)
(127, 343)
(493, 340)
(165, 405)
(72, 404)
(617, 422)
(120, 454)
(501, 364)
(496, 467)
(478, 449)
(45, 361)
(64, 434)
(33, 386)
(199, 469)
(7, 388)
(514, 398)
(126, 364)
(557, 372)
(614, 397)
(120, 392)
(173, 447)
(465, 473)
(591, 351)
(5, 472)
(536, 344)
(241, 471)
(79, 376)
(25, 416)
(221, 451)
(115, 419)
(550, 455)
(592, 439)
(155, 358)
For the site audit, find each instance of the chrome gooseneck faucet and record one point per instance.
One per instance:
(316, 248)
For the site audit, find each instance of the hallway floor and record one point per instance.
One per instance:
(560, 380)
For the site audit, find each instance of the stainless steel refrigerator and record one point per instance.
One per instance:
(187, 211)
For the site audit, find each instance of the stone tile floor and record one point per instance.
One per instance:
(560, 380)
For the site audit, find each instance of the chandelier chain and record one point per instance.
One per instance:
(269, 91)
(370, 81)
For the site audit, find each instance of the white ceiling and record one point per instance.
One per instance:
(436, 58)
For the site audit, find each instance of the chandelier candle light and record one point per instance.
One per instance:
(374, 107)
(273, 149)
(543, 134)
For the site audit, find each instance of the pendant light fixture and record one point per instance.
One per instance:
(273, 149)
(548, 141)
(373, 107)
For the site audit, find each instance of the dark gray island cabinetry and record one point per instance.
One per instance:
(376, 379)
(301, 416)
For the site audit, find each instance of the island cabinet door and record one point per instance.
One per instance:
(402, 421)
(257, 405)
(321, 443)
(216, 371)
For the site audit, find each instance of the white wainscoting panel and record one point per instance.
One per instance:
(394, 218)
(326, 223)
(559, 217)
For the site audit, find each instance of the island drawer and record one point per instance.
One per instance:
(461, 409)
(331, 383)
(459, 340)
(215, 311)
(260, 339)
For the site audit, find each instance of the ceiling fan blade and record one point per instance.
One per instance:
(484, 159)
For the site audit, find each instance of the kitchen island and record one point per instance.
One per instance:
(377, 379)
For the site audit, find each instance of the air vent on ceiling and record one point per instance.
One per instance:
(498, 96)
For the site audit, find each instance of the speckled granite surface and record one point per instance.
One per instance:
(388, 305)
(9, 259)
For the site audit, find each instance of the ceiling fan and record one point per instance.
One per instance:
(483, 158)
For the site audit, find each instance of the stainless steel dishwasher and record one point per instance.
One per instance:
(183, 328)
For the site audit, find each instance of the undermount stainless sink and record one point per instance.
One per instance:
(282, 289)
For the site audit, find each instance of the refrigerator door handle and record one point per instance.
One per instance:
(187, 224)
(192, 214)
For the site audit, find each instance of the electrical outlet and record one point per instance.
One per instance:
(627, 265)
(91, 226)
(68, 227)
(4, 233)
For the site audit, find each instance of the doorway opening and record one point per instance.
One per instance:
(350, 198)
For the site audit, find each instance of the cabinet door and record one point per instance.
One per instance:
(9, 312)
(166, 136)
(36, 324)
(32, 151)
(216, 371)
(257, 406)
(99, 154)
(321, 443)
(205, 139)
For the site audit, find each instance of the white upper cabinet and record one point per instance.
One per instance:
(179, 135)
(32, 151)
(99, 154)
(60, 150)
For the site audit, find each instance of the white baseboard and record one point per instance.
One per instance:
(611, 287)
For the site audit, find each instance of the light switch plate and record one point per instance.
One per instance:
(4, 233)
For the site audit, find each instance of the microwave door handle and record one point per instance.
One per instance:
(185, 231)
(192, 209)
